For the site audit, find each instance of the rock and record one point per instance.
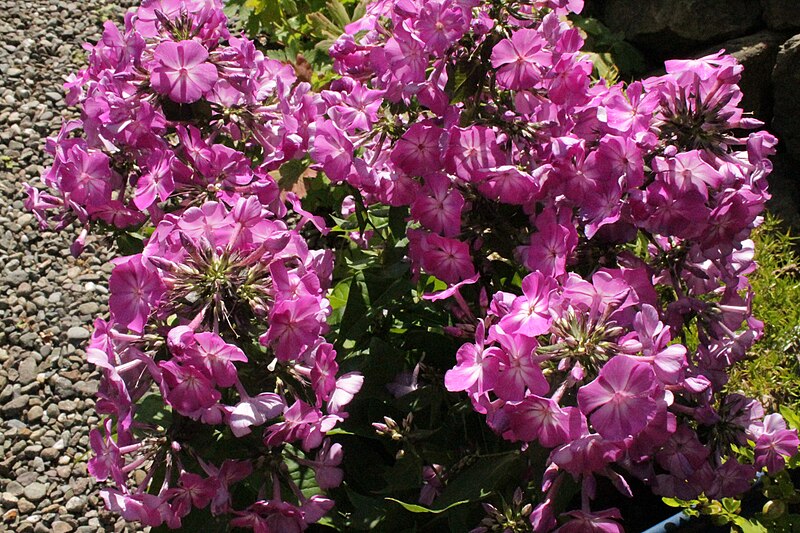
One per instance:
(60, 526)
(25, 506)
(35, 492)
(89, 308)
(781, 14)
(786, 80)
(76, 504)
(8, 500)
(35, 413)
(757, 54)
(49, 454)
(15, 406)
(17, 276)
(15, 488)
(77, 333)
(27, 371)
(669, 27)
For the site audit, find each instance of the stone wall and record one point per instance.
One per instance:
(764, 35)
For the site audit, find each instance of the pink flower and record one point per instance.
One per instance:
(507, 184)
(181, 71)
(447, 259)
(439, 206)
(472, 150)
(294, 325)
(417, 152)
(134, 291)
(327, 471)
(88, 177)
(518, 371)
(333, 150)
(188, 390)
(550, 246)
(530, 314)
(193, 491)
(440, 25)
(542, 419)
(518, 59)
(621, 400)
(254, 412)
(599, 522)
(476, 370)
(347, 386)
(775, 444)
(217, 357)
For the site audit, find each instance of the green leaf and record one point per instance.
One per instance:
(749, 526)
(322, 25)
(369, 512)
(414, 508)
(478, 480)
(291, 171)
(130, 243)
(152, 410)
(339, 13)
(792, 417)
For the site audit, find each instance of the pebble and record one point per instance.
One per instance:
(61, 527)
(77, 333)
(76, 504)
(35, 413)
(35, 492)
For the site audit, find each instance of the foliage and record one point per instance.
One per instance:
(614, 58)
(297, 31)
(772, 373)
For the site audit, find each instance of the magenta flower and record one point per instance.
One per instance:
(621, 401)
(447, 259)
(217, 357)
(134, 290)
(476, 370)
(188, 390)
(542, 419)
(254, 412)
(88, 177)
(192, 491)
(518, 371)
(550, 246)
(599, 522)
(518, 59)
(329, 457)
(472, 150)
(507, 184)
(417, 152)
(530, 314)
(294, 325)
(439, 206)
(440, 24)
(333, 150)
(775, 444)
(181, 71)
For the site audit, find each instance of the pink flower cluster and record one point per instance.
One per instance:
(156, 99)
(593, 239)
(209, 278)
(631, 206)
(217, 325)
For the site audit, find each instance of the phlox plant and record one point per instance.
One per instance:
(464, 271)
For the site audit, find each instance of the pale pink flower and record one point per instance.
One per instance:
(181, 71)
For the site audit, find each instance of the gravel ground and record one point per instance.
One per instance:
(48, 300)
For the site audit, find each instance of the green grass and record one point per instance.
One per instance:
(772, 372)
